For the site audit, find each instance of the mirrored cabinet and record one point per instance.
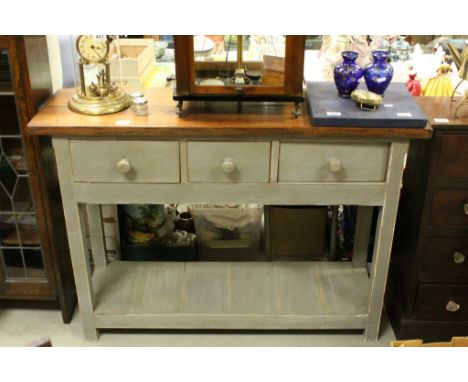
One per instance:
(34, 258)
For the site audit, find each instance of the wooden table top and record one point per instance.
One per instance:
(440, 112)
(204, 119)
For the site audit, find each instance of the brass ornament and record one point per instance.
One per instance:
(366, 100)
(103, 96)
(461, 61)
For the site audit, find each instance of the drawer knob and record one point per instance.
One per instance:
(465, 208)
(452, 306)
(228, 165)
(458, 257)
(335, 165)
(124, 166)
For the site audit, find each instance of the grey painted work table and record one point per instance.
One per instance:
(224, 153)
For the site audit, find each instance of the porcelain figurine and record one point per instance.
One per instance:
(379, 73)
(347, 74)
(413, 85)
(440, 85)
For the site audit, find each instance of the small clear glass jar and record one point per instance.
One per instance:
(140, 106)
(135, 95)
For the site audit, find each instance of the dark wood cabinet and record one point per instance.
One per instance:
(427, 294)
(34, 256)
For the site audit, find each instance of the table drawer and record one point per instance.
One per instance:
(445, 259)
(441, 302)
(449, 208)
(124, 161)
(228, 162)
(454, 156)
(332, 162)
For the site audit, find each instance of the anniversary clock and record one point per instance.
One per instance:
(96, 92)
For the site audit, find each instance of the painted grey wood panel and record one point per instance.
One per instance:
(133, 287)
(345, 289)
(298, 289)
(231, 289)
(74, 219)
(252, 288)
(310, 162)
(162, 289)
(384, 238)
(251, 162)
(151, 162)
(206, 289)
(275, 149)
(227, 321)
(96, 233)
(113, 287)
(368, 194)
(362, 235)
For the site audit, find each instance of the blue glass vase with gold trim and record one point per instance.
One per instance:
(347, 74)
(379, 73)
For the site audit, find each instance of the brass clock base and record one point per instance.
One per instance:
(98, 106)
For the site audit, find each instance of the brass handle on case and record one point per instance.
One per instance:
(335, 165)
(124, 166)
(465, 208)
(228, 165)
(452, 306)
(458, 257)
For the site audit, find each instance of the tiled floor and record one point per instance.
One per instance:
(20, 326)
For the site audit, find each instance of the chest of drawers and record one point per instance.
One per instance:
(428, 288)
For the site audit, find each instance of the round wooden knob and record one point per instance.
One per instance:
(465, 208)
(335, 165)
(452, 306)
(228, 165)
(124, 166)
(458, 257)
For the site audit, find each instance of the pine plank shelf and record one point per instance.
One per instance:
(231, 295)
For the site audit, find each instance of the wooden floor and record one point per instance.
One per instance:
(231, 295)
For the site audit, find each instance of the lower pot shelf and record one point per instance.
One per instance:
(231, 295)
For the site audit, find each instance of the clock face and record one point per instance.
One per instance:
(92, 49)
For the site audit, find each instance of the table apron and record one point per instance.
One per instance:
(366, 194)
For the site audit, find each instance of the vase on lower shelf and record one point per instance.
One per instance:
(379, 73)
(347, 74)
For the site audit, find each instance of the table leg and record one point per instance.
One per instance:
(362, 235)
(384, 237)
(74, 219)
(333, 229)
(96, 233)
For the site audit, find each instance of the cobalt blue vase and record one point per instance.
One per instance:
(378, 74)
(347, 74)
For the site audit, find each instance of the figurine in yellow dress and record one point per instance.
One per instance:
(441, 84)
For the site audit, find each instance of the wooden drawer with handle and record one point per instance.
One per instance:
(441, 302)
(454, 156)
(449, 208)
(445, 260)
(228, 162)
(332, 162)
(125, 161)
